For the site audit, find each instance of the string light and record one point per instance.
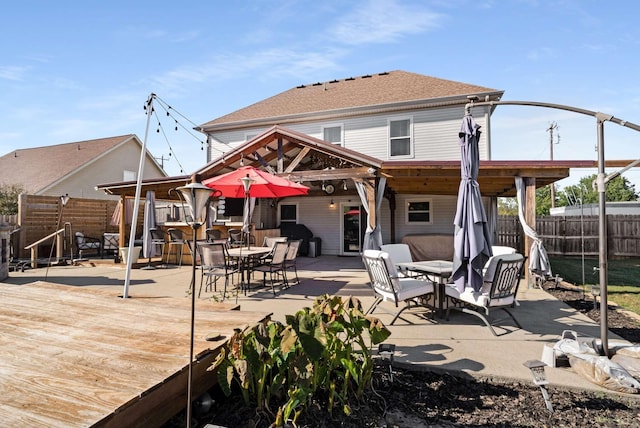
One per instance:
(178, 119)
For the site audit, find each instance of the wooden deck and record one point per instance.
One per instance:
(75, 357)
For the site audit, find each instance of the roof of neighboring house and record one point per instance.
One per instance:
(370, 92)
(38, 167)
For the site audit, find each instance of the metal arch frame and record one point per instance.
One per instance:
(601, 181)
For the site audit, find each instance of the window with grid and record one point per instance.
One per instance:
(332, 134)
(419, 211)
(400, 137)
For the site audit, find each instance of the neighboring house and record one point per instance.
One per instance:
(400, 125)
(76, 168)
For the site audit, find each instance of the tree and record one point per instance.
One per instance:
(618, 190)
(507, 206)
(543, 200)
(9, 198)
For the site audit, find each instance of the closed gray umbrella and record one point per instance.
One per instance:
(471, 243)
(149, 249)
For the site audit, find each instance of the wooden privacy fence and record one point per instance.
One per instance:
(39, 216)
(576, 235)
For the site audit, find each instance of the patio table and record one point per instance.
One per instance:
(440, 269)
(244, 256)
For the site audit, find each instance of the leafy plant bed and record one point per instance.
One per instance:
(430, 399)
(416, 399)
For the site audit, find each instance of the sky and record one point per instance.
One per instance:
(80, 70)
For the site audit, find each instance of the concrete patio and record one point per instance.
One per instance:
(461, 344)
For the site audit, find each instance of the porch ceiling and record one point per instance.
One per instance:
(496, 178)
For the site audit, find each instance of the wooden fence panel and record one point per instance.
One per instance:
(576, 235)
(39, 216)
(510, 233)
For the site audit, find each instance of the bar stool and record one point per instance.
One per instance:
(176, 238)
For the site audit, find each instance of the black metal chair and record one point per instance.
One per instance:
(86, 243)
(274, 266)
(215, 264)
(176, 240)
(213, 235)
(158, 238)
(291, 257)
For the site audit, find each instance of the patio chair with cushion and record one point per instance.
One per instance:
(389, 286)
(498, 292)
(111, 243)
(86, 243)
(400, 253)
(497, 250)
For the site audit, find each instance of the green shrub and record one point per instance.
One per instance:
(321, 353)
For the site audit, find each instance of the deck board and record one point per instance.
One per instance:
(72, 356)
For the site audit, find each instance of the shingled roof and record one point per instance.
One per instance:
(363, 94)
(39, 167)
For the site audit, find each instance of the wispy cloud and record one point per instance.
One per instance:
(541, 54)
(13, 72)
(267, 64)
(370, 22)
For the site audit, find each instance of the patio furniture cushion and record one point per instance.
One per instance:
(387, 286)
(499, 293)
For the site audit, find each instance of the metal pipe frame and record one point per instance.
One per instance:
(602, 180)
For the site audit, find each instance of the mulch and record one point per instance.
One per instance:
(405, 398)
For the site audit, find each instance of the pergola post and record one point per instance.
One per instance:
(530, 217)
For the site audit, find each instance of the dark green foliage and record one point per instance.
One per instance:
(9, 198)
(321, 353)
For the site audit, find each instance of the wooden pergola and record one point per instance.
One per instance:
(302, 158)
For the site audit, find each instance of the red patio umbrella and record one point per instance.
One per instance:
(264, 185)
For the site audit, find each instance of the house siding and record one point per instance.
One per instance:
(107, 169)
(435, 137)
(435, 134)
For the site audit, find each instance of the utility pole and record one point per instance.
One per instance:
(552, 126)
(161, 159)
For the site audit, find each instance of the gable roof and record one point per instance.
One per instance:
(302, 152)
(359, 95)
(39, 167)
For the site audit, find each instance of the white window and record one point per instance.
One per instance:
(332, 134)
(288, 213)
(419, 211)
(400, 143)
(251, 136)
(128, 175)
